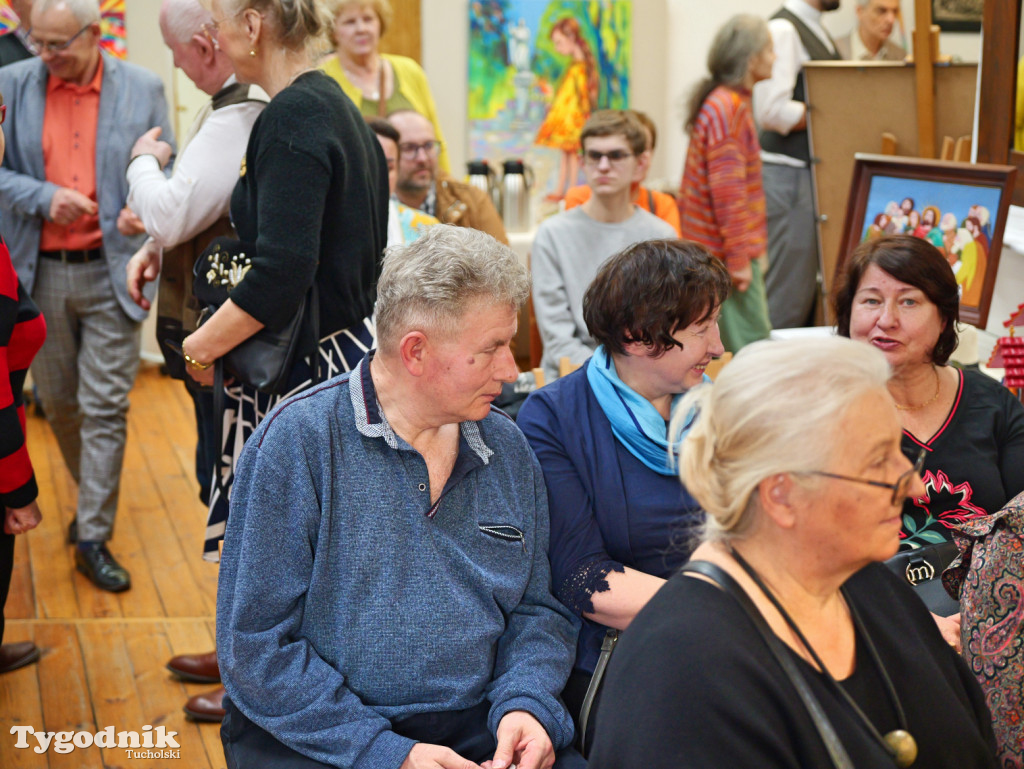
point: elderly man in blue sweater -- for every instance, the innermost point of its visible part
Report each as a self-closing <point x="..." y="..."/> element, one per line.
<point x="384" y="596"/>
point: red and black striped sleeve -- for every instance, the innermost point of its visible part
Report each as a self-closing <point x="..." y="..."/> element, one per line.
<point x="22" y="332"/>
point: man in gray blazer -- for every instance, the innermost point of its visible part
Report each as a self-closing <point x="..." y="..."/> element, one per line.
<point x="74" y="115"/>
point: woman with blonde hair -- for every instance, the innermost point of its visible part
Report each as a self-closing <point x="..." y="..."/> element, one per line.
<point x="574" y="100"/>
<point x="378" y="83"/>
<point x="784" y="643"/>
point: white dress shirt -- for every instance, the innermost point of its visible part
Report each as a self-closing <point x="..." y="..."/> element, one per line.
<point x="774" y="106"/>
<point x="198" y="193"/>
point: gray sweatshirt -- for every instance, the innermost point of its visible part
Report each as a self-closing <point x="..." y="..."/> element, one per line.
<point x="566" y="254"/>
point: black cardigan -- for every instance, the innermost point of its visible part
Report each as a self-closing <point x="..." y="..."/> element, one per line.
<point x="313" y="197"/>
<point x="692" y="684"/>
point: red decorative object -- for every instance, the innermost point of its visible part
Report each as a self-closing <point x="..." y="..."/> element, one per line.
<point x="1009" y="354"/>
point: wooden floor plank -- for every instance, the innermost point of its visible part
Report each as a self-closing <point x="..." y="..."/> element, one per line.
<point x="161" y="695"/>
<point x="104" y="655"/>
<point x="64" y="690"/>
<point x="50" y="557"/>
<point x="21" y="595"/>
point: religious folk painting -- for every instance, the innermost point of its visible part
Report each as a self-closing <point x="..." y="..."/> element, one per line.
<point x="960" y="208"/>
<point x="113" y="39"/>
<point x="537" y="70"/>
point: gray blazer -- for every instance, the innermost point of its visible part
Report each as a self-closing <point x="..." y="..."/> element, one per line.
<point x="131" y="102"/>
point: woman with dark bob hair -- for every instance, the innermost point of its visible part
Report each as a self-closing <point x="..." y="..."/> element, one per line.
<point x="898" y="294"/>
<point x="620" y="522"/>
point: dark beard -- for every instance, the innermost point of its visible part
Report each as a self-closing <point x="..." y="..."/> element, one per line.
<point x="829" y="5"/>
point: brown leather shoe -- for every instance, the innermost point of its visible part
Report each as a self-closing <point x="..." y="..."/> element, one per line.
<point x="199" y="668"/>
<point x="17" y="655"/>
<point x="206" y="707"/>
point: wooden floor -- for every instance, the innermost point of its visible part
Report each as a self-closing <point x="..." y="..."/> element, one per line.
<point x="103" y="655"/>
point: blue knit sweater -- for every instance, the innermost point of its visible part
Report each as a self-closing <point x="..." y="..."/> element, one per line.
<point x="346" y="599"/>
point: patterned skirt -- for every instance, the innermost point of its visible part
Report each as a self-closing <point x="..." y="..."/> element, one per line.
<point x="245" y="407"/>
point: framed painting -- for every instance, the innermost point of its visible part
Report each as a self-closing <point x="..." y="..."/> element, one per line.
<point x="958" y="15"/>
<point x="960" y="208"/>
<point x="537" y="70"/>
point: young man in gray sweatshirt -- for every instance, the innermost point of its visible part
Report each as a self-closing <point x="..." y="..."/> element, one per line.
<point x="570" y="246"/>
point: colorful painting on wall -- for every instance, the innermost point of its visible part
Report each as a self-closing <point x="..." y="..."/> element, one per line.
<point x="113" y="40"/>
<point x="537" y="69"/>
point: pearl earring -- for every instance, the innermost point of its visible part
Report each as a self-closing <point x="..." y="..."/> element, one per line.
<point x="252" y="51"/>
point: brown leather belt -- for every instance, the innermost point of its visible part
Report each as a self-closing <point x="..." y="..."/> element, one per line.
<point x="72" y="256"/>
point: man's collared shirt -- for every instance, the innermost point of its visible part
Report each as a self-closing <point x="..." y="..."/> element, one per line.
<point x="69" y="156"/>
<point x="774" y="107"/>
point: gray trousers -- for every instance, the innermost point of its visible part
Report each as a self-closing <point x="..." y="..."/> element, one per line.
<point x="84" y="372"/>
<point x="792" y="277"/>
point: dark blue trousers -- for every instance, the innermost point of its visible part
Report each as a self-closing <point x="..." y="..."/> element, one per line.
<point x="464" y="731"/>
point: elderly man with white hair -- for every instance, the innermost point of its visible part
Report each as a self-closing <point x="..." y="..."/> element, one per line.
<point x="384" y="593"/>
<point x="62" y="198"/>
<point x="869" y="40"/>
<point x="182" y="214"/>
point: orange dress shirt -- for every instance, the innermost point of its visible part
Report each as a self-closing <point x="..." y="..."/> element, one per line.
<point x="69" y="157"/>
<point x="658" y="203"/>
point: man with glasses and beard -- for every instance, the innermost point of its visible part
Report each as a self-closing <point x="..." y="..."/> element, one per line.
<point x="780" y="109"/>
<point x="75" y="114"/>
<point x="422" y="185"/>
<point x="570" y="246"/>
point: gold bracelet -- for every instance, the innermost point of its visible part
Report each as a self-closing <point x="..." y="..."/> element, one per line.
<point x="192" y="362"/>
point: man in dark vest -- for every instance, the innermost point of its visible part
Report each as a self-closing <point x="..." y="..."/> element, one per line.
<point x="182" y="214"/>
<point x="781" y="112"/>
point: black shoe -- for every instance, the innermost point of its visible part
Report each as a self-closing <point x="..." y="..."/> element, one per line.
<point x="96" y="563"/>
<point x="17" y="655"/>
<point x="73" y="531"/>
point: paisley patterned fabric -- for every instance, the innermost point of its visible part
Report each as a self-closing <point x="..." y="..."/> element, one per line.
<point x="989" y="577"/>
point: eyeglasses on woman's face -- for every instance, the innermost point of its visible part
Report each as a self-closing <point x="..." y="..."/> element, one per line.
<point x="899" y="487"/>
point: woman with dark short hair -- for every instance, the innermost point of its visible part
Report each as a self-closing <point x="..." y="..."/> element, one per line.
<point x="620" y="522"/>
<point x="898" y="294"/>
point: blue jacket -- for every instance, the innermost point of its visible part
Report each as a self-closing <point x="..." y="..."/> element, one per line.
<point x="607" y="508"/>
<point x="347" y="599"/>
<point x="131" y="102"/>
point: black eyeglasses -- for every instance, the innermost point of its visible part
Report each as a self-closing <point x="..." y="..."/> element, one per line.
<point x="593" y="157"/>
<point x="430" y="148"/>
<point x="39" y="47"/>
<point x="899" y="488"/>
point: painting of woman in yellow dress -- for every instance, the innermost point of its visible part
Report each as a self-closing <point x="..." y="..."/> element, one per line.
<point x="575" y="97"/>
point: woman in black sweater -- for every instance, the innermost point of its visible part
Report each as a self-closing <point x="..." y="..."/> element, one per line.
<point x="310" y="206"/>
<point x="797" y="520"/>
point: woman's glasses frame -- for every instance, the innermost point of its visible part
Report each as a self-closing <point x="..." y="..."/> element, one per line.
<point x="899" y="487"/>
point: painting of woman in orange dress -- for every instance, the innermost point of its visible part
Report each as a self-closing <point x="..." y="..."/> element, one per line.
<point x="575" y="97"/>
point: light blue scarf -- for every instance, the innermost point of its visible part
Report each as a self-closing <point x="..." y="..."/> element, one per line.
<point x="635" y="422"/>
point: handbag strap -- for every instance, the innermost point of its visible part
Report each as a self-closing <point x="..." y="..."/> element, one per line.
<point x="836" y="751"/>
<point x="607" y="647"/>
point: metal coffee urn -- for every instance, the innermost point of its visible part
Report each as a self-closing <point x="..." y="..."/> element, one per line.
<point x="483" y="177"/>
<point x="516" y="181"/>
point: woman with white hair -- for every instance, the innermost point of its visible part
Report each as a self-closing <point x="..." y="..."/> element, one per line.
<point x="784" y="643"/>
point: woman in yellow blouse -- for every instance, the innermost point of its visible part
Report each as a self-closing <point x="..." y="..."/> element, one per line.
<point x="378" y="83"/>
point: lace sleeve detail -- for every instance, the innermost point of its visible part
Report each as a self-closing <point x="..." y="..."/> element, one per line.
<point x="576" y="589"/>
